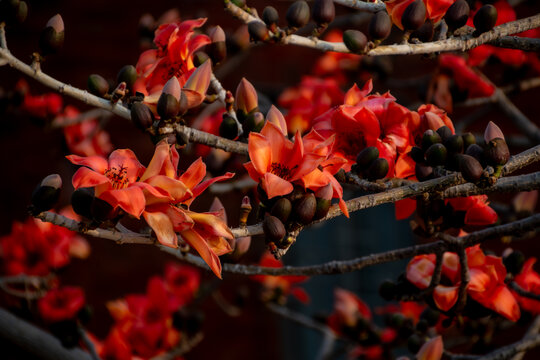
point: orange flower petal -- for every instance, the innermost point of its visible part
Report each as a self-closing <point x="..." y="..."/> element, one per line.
<point x="96" y="163"/>
<point x="273" y="185"/>
<point x="199" y="244"/>
<point x="130" y="199"/>
<point x="431" y="350"/>
<point x="194" y="174"/>
<point x="260" y="152"/>
<point x="163" y="227"/>
<point x="126" y="158"/>
<point x="175" y="188"/>
<point x="445" y="296"/>
<point x="84" y="177"/>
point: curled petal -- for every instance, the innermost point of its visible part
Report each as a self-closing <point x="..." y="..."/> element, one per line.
<point x="175" y="188"/>
<point x="210" y="224"/>
<point x="162" y="226"/>
<point x="201" y="246"/>
<point x="161" y="163"/>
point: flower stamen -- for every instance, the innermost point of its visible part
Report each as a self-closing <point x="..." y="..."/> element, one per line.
<point x="118" y="177"/>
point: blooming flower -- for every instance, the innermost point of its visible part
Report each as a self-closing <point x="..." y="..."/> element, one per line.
<point x="40" y="106"/>
<point x="276" y="162"/>
<point x="182" y="282"/>
<point x="61" y="304"/>
<point x="279" y="287"/>
<point x="311" y="98"/>
<point x="435" y="9"/>
<point x="476" y="208"/>
<point x="528" y="280"/>
<point x="486" y="285"/>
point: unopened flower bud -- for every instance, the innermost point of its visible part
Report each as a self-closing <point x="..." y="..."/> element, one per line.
<point x="273" y="228"/>
<point x="304" y="208"/>
<point x="436" y="155"/>
<point x="46" y="194"/>
<point x="513" y="262"/>
<point x="217" y="49"/>
<point x="496" y="152"/>
<point x="323" y="12"/>
<point x="378" y="169"/>
<point x="476" y="152"/>
<point x="324" y="201"/>
<point x="282" y="209"/>
<point x="366" y="157"/>
<point x="141" y="116"/>
<point x="387" y="290"/>
<point x="470" y="168"/>
<point x="380" y="26"/>
<point x="456" y="16"/>
<point x="101" y="210"/>
<point x="245" y="210"/>
<point x="275" y="117"/>
<point x="52" y="37"/>
<point x="13" y="11"/>
<point x="81" y="201"/>
<point x="257" y="31"/>
<point x="270" y="16"/>
<point x="525" y="202"/>
<point x="485" y="19"/>
<point x="127" y="74"/>
<point x="298" y="14"/>
<point x="425" y="32"/>
<point x="254" y="122"/>
<point x="431" y="316"/>
<point x="444" y="132"/>
<point x="242" y="246"/>
<point x="468" y="139"/>
<point x="429" y="138"/>
<point x="246" y="98"/>
<point x="414" y="15"/>
<point x="355" y="41"/>
<point x="492" y="132"/>
<point x="228" y="127"/>
<point x="119" y="92"/>
<point x="417" y="154"/>
<point x="97" y="85"/>
<point x="199" y="58"/>
<point x="423" y="172"/>
<point x="454" y="144"/>
<point x="168" y="104"/>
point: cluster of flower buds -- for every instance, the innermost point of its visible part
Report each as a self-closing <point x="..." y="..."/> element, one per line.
<point x="369" y="165"/>
<point x="379" y="29"/>
<point x="461" y="153"/>
<point x="99" y="86"/>
<point x="46" y="194"/>
<point x="284" y="215"/>
<point x="247" y="112"/>
<point x="13" y="11"/>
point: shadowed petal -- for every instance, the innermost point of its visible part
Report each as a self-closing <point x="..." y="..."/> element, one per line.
<point x="445" y="296"/>
<point x="130" y="199"/>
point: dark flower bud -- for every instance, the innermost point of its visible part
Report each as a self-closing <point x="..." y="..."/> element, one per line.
<point x="127" y="74"/>
<point x="514" y="262"/>
<point x="431" y="316"/>
<point x="141" y="116"/>
<point x="496" y="152"/>
<point x="323" y="12"/>
<point x="436" y="155"/>
<point x="485" y="19"/>
<point x="217" y="49"/>
<point x="296" y="194"/>
<point x="298" y="14"/>
<point x="378" y="169"/>
<point x="429" y="138"/>
<point x="470" y="168"/>
<point x="100" y="210"/>
<point x="52" y="37"/>
<point x="417" y="154"/>
<point x="387" y="290"/>
<point x="457" y="14"/>
<point x="97" y="85"/>
<point x="380" y="26"/>
<point x="13" y="11"/>
<point x="46" y="194"/>
<point x="425" y="32"/>
<point x="324" y="201"/>
<point x="21" y="12"/>
<point x="168" y="104"/>
<point x="468" y="139"/>
<point x="476" y="152"/>
<point x="414" y="343"/>
<point x="422" y="326"/>
<point x="282" y="209"/>
<point x="444" y="132"/>
<point x="254" y="122"/>
<point x="81" y="201"/>
<point x="454" y="144"/>
<point x="228" y="127"/>
<point x="304" y="208"/>
<point x="273" y="228"/>
<point x="366" y="157"/>
<point x="199" y="58"/>
<point x="423" y="172"/>
<point x="355" y="41"/>
<point x="270" y="16"/>
<point x="414" y="15"/>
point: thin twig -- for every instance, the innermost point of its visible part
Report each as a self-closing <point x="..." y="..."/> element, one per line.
<point x="516" y="42"/>
<point x="522" y="292"/>
<point x="362" y="5"/>
<point x="222" y="95"/>
<point x="464" y="280"/>
<point x="299" y="318"/>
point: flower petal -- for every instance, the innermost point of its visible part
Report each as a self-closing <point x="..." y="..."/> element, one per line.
<point x="199" y="244"/>
<point x="130" y="199"/>
<point x="273" y="185"/>
<point x="260" y="152"/>
<point x="126" y="158"/>
<point x="162" y="226"/>
<point x="445" y="296"/>
<point x="194" y="174"/>
<point x="96" y="163"/>
<point x="84" y="177"/>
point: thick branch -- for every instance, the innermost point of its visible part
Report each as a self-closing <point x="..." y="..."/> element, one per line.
<point x="516" y="42"/>
<point x="35" y="341"/>
<point x="362" y="5"/>
<point x="526" y="182"/>
<point x="463" y="43"/>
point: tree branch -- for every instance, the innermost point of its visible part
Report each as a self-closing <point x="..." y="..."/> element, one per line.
<point x="362" y="5"/>
<point x="516" y="42"/>
<point x="463" y="43"/>
<point x="193" y="135"/>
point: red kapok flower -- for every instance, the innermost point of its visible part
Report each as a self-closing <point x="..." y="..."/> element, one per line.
<point x="435" y="9"/>
<point x="465" y="77"/>
<point x="182" y="281"/>
<point x="41" y="106"/>
<point x="114" y="179"/>
<point x="61" y="304"/>
<point x="348" y="310"/>
<point x="528" y="280"/>
<point x="280" y="286"/>
<point x="476" y="208"/>
<point x="276" y="162"/>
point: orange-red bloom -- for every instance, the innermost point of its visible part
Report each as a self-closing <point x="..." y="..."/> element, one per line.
<point x="476" y="208"/>
<point x="276" y="162"/>
<point x="486" y="285"/>
<point x="528" y="280"/>
<point x="435" y="9"/>
<point x="61" y="304"/>
<point x="348" y="310"/>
